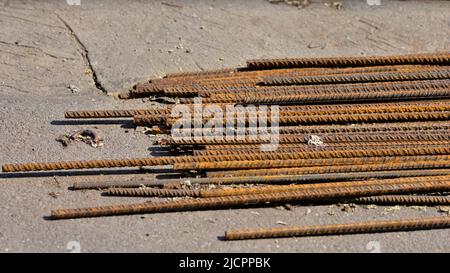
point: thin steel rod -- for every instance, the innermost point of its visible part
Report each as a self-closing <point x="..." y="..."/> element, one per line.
<point x="338" y="97"/>
<point x="417" y="200"/>
<point x="361" y="77"/>
<point x="424" y="58"/>
<point x="282" y="179"/>
<point x="208" y="91"/>
<point x="341" y="229"/>
<point x="283" y="110"/>
<point x="276" y="184"/>
<point x="336" y="138"/>
<point x="138" y="162"/>
<point x="252" y="200"/>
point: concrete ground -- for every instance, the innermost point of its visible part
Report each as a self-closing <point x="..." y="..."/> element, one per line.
<point x="100" y="47"/>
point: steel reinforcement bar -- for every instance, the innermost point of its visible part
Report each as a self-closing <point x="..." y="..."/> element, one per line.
<point x="158" y="161"/>
<point x="341" y="229"/>
<point x="426" y="58"/>
<point x="243" y="201"/>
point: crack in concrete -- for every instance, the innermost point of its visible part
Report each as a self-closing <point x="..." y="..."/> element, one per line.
<point x="84" y="54"/>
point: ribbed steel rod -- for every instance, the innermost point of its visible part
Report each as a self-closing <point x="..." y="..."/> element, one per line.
<point x="115" y="113"/>
<point x="339" y="97"/>
<point x="325" y="180"/>
<point x="293" y="147"/>
<point x="230" y="72"/>
<point x="343" y="128"/>
<point x="308" y="176"/>
<point x="341" y="229"/>
<point x="285" y="149"/>
<point x="149" y="192"/>
<point x="380" y="114"/>
<point x="301" y="170"/>
<point x="425" y="58"/>
<point x="354" y="165"/>
<point x="252" y="200"/>
<point x="346" y="106"/>
<point x="228" y="148"/>
<point x="235" y="92"/>
<point x="337" y="138"/>
<point x="418" y="200"/>
<point x="308" y="89"/>
<point x="362" y="77"/>
<point x="240" y="80"/>
<point x="300" y="118"/>
<point x="152" y="89"/>
<point x="215" y="73"/>
<point x="164" y="113"/>
<point x="315" y="167"/>
<point x="203" y="86"/>
<point x="84" y="185"/>
<point x="138" y="162"/>
<point x="293" y="187"/>
<point x="245" y="74"/>
<point x="317" y="119"/>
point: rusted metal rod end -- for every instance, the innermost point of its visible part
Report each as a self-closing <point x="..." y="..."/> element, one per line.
<point x="355" y="228"/>
<point x="144" y="192"/>
<point x="418" y="200"/>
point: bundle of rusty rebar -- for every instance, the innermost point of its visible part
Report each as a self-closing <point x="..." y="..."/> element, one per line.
<point x="349" y="129"/>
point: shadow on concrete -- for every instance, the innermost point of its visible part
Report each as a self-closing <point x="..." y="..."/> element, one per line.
<point x="125" y="123"/>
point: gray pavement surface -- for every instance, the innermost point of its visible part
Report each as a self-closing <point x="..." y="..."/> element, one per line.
<point x="101" y="47"/>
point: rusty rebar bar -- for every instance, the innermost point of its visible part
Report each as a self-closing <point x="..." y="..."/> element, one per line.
<point x="252" y="200"/>
<point x="287" y="149"/>
<point x="381" y="115"/>
<point x="418" y="200"/>
<point x="426" y="58"/>
<point x="248" y="81"/>
<point x="84" y="185"/>
<point x="307" y="176"/>
<point x="180" y="151"/>
<point x="149" y="192"/>
<point x="309" y="89"/>
<point x="139" y="162"/>
<point x="362" y="77"/>
<point x="206" y="193"/>
<point x="243" y="74"/>
<point x="115" y="113"/>
<point x="277" y="183"/>
<point x="210" y="86"/>
<point x="233" y="92"/>
<point x="336" y="138"/>
<point x="315" y="119"/>
<point x="191" y="88"/>
<point x="343" y="128"/>
<point x="338" y="97"/>
<point x="284" y="110"/>
<point x="341" y="229"/>
<point x="215" y="73"/>
<point x="309" y="168"/>
<point x="188" y="150"/>
<point x="228" y="148"/>
<point x="312" y="166"/>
